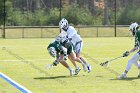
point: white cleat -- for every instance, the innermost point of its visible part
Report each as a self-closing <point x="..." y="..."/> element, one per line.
<point x="89" y="68"/>
<point x="123" y="76"/>
<point x="77" y="70"/>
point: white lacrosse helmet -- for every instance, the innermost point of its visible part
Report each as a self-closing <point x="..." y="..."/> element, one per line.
<point x="133" y="26"/>
<point x="52" y="51"/>
<point x="63" y="24"/>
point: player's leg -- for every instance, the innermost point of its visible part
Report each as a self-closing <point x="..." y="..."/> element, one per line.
<point x="134" y="60"/>
<point x="139" y="71"/>
<point x="74" y="58"/>
<point x="65" y="64"/>
<point x="73" y="62"/>
<point x="70" y="52"/>
<point x="138" y="66"/>
<point x="78" y="49"/>
<point x="77" y="69"/>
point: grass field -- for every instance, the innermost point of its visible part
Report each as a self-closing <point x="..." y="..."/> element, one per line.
<point x="24" y="61"/>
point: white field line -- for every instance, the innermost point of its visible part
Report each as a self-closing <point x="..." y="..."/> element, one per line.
<point x="11" y="60"/>
<point x="28" y="60"/>
<point x="14" y="83"/>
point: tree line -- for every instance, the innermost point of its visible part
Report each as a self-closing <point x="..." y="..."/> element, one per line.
<point x="78" y="12"/>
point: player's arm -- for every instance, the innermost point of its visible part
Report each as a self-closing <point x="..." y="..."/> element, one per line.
<point x="56" y="62"/>
<point x="63" y="52"/>
<point x="136" y="46"/>
<point x="131" y="51"/>
<point x="71" y="34"/>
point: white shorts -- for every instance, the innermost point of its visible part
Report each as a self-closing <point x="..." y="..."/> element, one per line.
<point x="134" y="60"/>
<point x="78" y="47"/>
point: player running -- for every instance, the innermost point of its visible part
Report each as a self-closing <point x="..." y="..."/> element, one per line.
<point x="75" y="40"/>
<point x="136" y="57"/>
<point x="64" y="41"/>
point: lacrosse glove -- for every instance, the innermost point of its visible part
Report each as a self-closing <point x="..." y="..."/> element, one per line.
<point x="126" y="54"/>
<point x="55" y="63"/>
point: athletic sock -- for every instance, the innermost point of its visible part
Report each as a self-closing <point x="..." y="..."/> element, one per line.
<point x="82" y="63"/>
<point x="124" y="73"/>
<point x="69" y="68"/>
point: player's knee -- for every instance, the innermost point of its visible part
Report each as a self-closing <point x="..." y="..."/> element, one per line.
<point x="75" y="59"/>
<point x="61" y="61"/>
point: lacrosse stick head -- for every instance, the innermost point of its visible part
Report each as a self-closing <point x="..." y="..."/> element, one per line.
<point x="49" y="66"/>
<point x="105" y="64"/>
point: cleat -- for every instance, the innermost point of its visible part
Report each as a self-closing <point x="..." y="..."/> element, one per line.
<point x="77" y="70"/>
<point x="89" y="68"/>
<point x="123" y="76"/>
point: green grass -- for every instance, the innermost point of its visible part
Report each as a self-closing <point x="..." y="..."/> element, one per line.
<point x="33" y="75"/>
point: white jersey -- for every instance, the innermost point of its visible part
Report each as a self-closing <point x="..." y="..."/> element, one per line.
<point x="72" y="33"/>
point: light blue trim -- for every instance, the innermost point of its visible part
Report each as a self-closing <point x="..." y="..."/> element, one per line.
<point x="16" y="85"/>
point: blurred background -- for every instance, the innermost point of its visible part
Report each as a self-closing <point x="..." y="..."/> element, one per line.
<point x="92" y="18"/>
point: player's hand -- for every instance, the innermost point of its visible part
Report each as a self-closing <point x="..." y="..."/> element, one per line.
<point x="55" y="63"/>
<point x="125" y="54"/>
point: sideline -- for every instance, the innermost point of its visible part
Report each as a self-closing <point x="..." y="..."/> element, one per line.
<point x="15" y="84"/>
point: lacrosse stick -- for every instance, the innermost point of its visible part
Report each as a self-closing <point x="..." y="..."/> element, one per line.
<point x="105" y="64"/>
<point x="49" y="66"/>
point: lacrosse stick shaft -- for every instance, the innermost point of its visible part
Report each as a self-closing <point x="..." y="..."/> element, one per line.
<point x="115" y="58"/>
<point x="107" y="62"/>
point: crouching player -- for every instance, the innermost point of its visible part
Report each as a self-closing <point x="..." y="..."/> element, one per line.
<point x="56" y="49"/>
<point x="136" y="57"/>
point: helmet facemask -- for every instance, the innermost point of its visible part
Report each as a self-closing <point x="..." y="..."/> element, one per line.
<point x="52" y="51"/>
<point x="63" y="24"/>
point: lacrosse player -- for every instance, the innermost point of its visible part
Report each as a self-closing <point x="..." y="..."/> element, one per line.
<point x="75" y="39"/>
<point x="136" y="57"/>
<point x="56" y="50"/>
<point x="65" y="43"/>
<point x="62" y="53"/>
